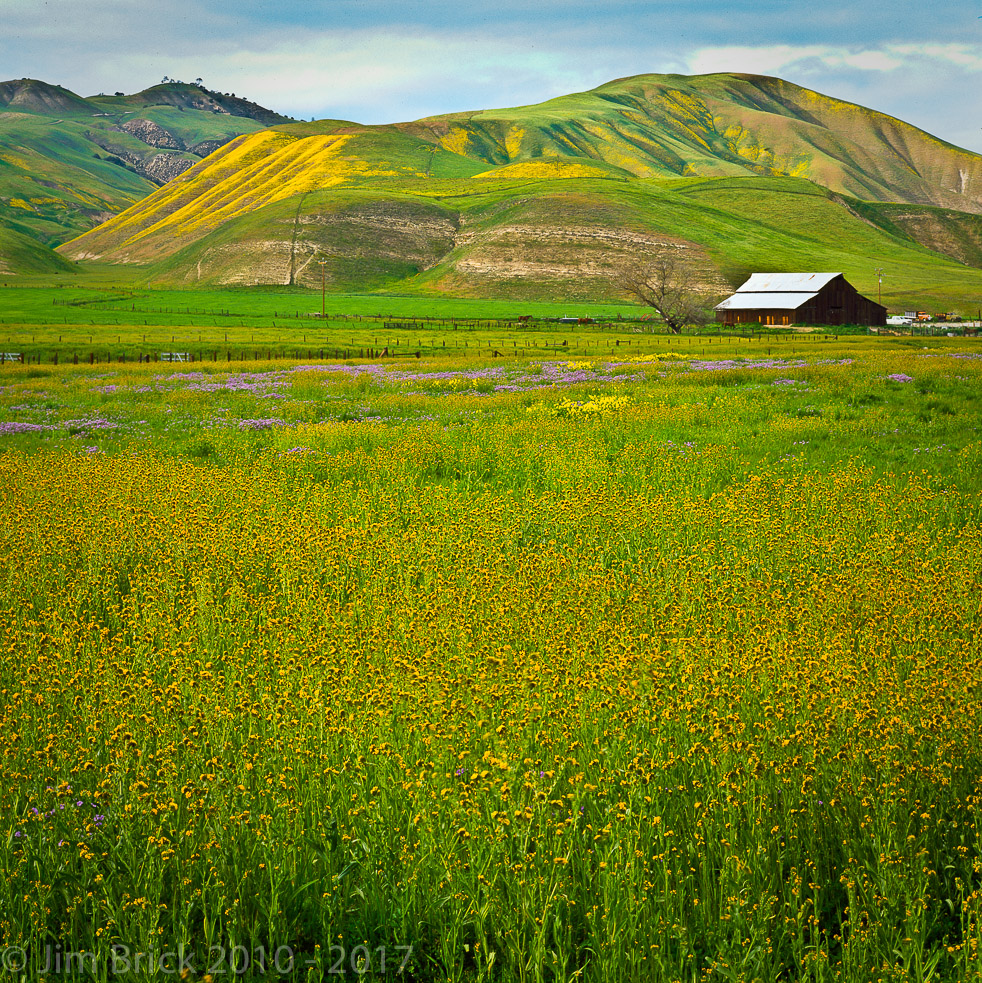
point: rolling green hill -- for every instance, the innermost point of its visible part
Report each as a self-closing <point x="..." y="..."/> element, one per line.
<point x="22" y="254"/>
<point x="68" y="163"/>
<point x="742" y="173"/>
<point x="724" y="125"/>
<point x="541" y="239"/>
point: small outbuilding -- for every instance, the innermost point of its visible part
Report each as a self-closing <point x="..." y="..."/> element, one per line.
<point x="800" y="298"/>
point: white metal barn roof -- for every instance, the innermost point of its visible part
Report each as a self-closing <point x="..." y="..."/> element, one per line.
<point x="786" y="282"/>
<point x="776" y="291"/>
<point x="772" y="301"/>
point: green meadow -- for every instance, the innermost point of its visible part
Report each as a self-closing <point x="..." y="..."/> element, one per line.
<point x="96" y="317"/>
<point x="435" y="639"/>
<point x="639" y="666"/>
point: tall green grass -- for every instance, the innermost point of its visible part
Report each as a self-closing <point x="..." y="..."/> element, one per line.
<point x="655" y="672"/>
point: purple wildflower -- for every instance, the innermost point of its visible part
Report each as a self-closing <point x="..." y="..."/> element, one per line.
<point x="15" y="426"/>
<point x="83" y="426"/>
<point x="261" y="423"/>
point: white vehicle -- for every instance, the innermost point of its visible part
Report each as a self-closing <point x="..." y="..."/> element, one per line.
<point x="898" y="320"/>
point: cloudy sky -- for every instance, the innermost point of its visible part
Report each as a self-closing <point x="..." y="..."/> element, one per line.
<point x="389" y="60"/>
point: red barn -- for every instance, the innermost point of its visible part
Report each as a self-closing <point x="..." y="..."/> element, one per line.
<point x="799" y="298"/>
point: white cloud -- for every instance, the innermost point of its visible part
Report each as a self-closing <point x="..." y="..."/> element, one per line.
<point x="867" y="61"/>
<point x="378" y="77"/>
<point x="764" y="60"/>
<point x="962" y="55"/>
<point x="773" y="59"/>
<point x="397" y="70"/>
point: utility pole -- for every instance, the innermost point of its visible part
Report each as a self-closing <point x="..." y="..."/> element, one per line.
<point x="321" y="263"/>
<point x="879" y="284"/>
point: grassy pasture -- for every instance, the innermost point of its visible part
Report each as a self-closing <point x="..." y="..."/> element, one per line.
<point x="106" y="317"/>
<point x="112" y="321"/>
<point x="612" y="668"/>
<point x="113" y="301"/>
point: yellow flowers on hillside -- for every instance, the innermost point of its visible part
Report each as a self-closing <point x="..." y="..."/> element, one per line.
<point x="552" y="169"/>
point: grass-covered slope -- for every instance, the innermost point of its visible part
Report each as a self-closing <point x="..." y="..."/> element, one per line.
<point x="261" y="169"/>
<point x="953" y="233"/>
<point x="506" y="236"/>
<point x="366" y="241"/>
<point x="722" y="125"/>
<point x="68" y="163"/>
<point x="550" y="200"/>
<point x="57" y="183"/>
<point x="22" y="254"/>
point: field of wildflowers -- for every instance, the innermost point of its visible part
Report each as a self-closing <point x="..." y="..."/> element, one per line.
<point x="649" y="668"/>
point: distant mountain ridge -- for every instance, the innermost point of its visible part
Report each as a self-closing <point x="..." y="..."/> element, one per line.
<point x="184" y="95"/>
<point x="35" y="96"/>
<point x="68" y="162"/>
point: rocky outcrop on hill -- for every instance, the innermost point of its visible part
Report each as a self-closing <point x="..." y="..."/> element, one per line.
<point x="161" y="168"/>
<point x="152" y="134"/>
<point x="206" y="147"/>
<point x="157" y="168"/>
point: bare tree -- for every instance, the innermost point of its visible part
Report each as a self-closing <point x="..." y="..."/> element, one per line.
<point x="669" y="283"/>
